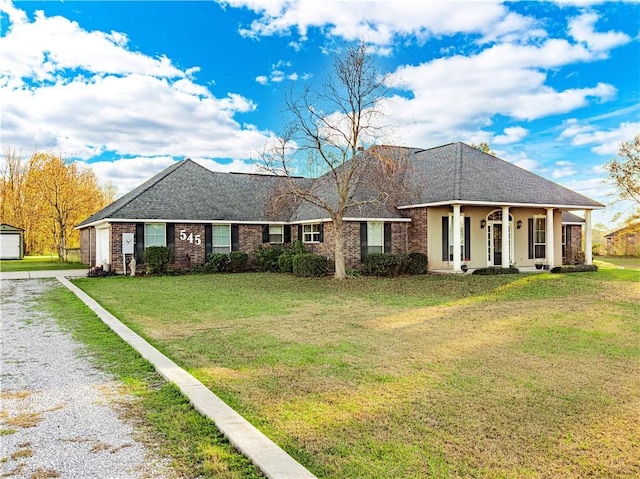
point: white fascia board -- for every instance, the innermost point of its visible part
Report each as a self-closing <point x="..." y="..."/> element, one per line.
<point x="574" y="223"/>
<point x="350" y="218"/>
<point x="156" y="220"/>
<point x="495" y="203"/>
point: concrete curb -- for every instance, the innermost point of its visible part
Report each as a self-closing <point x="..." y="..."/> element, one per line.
<point x="54" y="273"/>
<point x="258" y="448"/>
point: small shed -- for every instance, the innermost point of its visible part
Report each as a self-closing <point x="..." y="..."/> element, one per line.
<point x="11" y="242"/>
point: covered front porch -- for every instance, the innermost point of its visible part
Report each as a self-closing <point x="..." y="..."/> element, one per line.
<point x="482" y="237"/>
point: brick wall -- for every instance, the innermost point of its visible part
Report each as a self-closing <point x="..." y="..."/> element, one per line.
<point x="87" y="246"/>
<point x="116" y="247"/>
<point x="250" y="237"/>
<point x="417" y="230"/>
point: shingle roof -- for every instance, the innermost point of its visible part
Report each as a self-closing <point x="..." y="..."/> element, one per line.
<point x="446" y="174"/>
<point x="458" y="172"/>
<point x="188" y="191"/>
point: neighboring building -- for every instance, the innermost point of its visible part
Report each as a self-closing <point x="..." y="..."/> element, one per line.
<point x="624" y="242"/>
<point x="458" y="199"/>
<point x="11" y="242"/>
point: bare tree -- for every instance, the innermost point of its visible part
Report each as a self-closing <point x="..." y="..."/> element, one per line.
<point x="330" y="128"/>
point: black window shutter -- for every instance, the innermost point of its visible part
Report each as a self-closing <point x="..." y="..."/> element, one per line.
<point x="321" y="232"/>
<point x="387" y="237"/>
<point x="140" y="243"/>
<point x="208" y="241"/>
<point x="530" y="238"/>
<point x="299" y="232"/>
<point x="235" y="238"/>
<point x="567" y="236"/>
<point x="467" y="237"/>
<point x="287" y="233"/>
<point x="170" y="230"/>
<point x="445" y="238"/>
<point x="265" y="233"/>
<point x="363" y="241"/>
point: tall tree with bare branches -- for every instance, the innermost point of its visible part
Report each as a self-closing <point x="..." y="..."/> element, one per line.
<point x="330" y="128"/>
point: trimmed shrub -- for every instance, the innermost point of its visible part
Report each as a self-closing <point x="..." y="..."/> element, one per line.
<point x="238" y="261"/>
<point x="217" y="263"/>
<point x="384" y="264"/>
<point x="496" y="270"/>
<point x="157" y="258"/>
<point x="309" y="265"/>
<point x="416" y="263"/>
<point x="579" y="268"/>
<point x="267" y="257"/>
<point x="285" y="262"/>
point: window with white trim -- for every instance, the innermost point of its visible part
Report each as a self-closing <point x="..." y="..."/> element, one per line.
<point x="375" y="237"/>
<point x="311" y="233"/>
<point x="564" y="240"/>
<point x="221" y="239"/>
<point x="276" y="234"/>
<point x="155" y="234"/>
<point x="539" y="237"/>
<point x="462" y="258"/>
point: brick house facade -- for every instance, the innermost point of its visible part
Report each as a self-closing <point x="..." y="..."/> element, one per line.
<point x="465" y="207"/>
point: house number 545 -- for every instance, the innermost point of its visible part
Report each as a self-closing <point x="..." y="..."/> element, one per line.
<point x="191" y="238"/>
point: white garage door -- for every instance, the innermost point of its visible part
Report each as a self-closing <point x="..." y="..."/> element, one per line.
<point x="9" y="246"/>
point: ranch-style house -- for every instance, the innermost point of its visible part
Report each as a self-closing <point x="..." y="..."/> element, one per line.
<point x="464" y="207"/>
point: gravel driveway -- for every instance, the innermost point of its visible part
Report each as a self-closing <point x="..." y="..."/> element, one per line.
<point x="57" y="412"/>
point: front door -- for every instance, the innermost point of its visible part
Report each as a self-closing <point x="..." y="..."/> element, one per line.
<point x="494" y="244"/>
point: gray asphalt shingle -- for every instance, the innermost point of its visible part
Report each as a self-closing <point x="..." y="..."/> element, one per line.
<point x="448" y="173"/>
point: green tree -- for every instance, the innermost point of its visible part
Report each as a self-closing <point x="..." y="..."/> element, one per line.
<point x="624" y="172"/>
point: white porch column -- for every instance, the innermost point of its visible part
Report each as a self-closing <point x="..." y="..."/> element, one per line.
<point x="506" y="241"/>
<point x="549" y="239"/>
<point x="456" y="239"/>
<point x="588" y="242"/>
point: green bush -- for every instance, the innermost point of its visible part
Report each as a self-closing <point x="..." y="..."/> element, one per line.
<point x="285" y="262"/>
<point x="579" y="268"/>
<point x="496" y="270"/>
<point x="384" y="264"/>
<point x="267" y="257"/>
<point x="238" y="261"/>
<point x="309" y="265"/>
<point x="157" y="258"/>
<point x="416" y="263"/>
<point x="217" y="262"/>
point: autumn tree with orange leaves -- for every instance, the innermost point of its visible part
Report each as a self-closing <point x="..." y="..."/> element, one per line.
<point x="47" y="197"/>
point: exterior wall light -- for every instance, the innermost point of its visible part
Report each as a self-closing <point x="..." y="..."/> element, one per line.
<point x="483" y="223"/>
<point x="519" y="224"/>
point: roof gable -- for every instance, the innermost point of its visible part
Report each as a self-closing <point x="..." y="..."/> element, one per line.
<point x="458" y="172"/>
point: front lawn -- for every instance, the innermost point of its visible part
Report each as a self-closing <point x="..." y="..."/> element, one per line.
<point x="38" y="263"/>
<point x="433" y="376"/>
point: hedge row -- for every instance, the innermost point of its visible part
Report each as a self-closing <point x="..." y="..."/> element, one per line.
<point x="578" y="268"/>
<point x="496" y="270"/>
<point x="385" y="264"/>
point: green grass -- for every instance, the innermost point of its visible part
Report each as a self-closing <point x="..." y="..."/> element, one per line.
<point x="618" y="262"/>
<point x="433" y="376"/>
<point x="38" y="263"/>
<point x="169" y="423"/>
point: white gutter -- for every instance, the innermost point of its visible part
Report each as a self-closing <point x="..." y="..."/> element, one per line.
<point x="496" y="203"/>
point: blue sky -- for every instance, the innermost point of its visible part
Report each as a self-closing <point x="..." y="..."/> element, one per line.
<point x="130" y="87"/>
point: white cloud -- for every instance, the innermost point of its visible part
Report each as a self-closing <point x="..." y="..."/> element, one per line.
<point x="381" y="22"/>
<point x="581" y="28"/>
<point x="604" y="142"/>
<point x="563" y="169"/>
<point x="460" y="95"/>
<point x="511" y="135"/>
<point x="115" y="101"/>
<point x="278" y="74"/>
